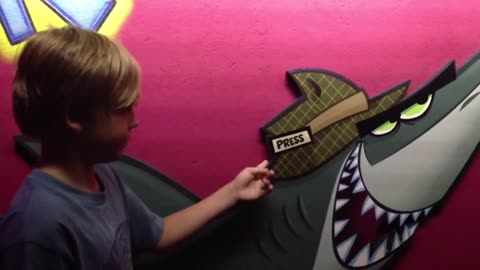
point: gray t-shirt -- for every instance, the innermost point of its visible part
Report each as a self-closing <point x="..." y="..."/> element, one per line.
<point x="51" y="225"/>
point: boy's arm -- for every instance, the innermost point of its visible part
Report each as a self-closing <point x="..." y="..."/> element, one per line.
<point x="250" y="184"/>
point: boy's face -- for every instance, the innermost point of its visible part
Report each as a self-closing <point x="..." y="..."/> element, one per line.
<point x="107" y="134"/>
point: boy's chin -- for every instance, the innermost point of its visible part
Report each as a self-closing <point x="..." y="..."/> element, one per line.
<point x="115" y="157"/>
<point x="107" y="158"/>
<point x="104" y="153"/>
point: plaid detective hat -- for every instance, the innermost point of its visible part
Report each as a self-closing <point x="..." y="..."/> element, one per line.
<point x="321" y="122"/>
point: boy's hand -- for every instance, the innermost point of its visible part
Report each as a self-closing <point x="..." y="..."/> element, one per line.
<point x="253" y="182"/>
<point x="250" y="184"/>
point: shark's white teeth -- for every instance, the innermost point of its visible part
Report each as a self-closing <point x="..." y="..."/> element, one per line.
<point x="339" y="225"/>
<point x="396" y="242"/>
<point x="354" y="163"/>
<point x="378" y="212"/>
<point x="348" y="162"/>
<point x="391" y="217"/>
<point x="413" y="229"/>
<point x="345" y="175"/>
<point x="342" y="187"/>
<point x="380" y="252"/>
<point x="416" y="215"/>
<point x="344" y="248"/>
<point x="359" y="187"/>
<point x="406" y="234"/>
<point x="369" y="254"/>
<point x="356" y="175"/>
<point x="362" y="257"/>
<point x="355" y="151"/>
<point x="367" y="205"/>
<point x="403" y="217"/>
<point x="340" y="203"/>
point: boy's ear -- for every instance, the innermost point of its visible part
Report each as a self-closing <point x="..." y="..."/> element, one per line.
<point x="73" y="123"/>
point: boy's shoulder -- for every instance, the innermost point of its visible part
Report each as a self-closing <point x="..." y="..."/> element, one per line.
<point x="32" y="216"/>
<point x="43" y="207"/>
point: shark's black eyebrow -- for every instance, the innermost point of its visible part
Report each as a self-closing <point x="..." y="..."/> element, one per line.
<point x="468" y="63"/>
<point x="444" y="76"/>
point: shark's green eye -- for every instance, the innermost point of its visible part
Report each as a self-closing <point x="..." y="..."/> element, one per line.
<point x="417" y="109"/>
<point x="385" y="128"/>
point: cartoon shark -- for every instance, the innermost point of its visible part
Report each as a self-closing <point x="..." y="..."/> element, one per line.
<point x="383" y="186"/>
<point x="356" y="211"/>
<point x="393" y="176"/>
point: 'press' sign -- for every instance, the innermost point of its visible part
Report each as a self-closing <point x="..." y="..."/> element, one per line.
<point x="291" y="140"/>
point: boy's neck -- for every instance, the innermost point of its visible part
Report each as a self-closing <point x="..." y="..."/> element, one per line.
<point x="73" y="175"/>
<point x="69" y="169"/>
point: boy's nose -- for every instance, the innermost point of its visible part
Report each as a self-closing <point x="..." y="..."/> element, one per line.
<point x="134" y="125"/>
<point x="133" y="120"/>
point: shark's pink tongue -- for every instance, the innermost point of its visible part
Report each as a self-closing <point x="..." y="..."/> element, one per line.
<point x="363" y="231"/>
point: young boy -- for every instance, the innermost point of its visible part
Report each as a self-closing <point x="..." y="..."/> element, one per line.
<point x="75" y="89"/>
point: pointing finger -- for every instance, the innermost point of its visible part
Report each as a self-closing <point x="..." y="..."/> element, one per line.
<point x="263" y="164"/>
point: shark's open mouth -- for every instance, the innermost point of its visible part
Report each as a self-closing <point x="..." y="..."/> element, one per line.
<point x="364" y="231"/>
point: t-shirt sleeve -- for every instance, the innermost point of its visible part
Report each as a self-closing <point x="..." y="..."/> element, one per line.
<point x="29" y="256"/>
<point x="146" y="226"/>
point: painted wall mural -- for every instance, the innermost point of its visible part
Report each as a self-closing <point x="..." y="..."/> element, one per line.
<point x="393" y="165"/>
<point x="21" y="18"/>
<point x="364" y="179"/>
<point x="385" y="184"/>
<point x="372" y="171"/>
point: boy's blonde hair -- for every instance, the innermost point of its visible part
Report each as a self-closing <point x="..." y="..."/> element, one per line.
<point x="71" y="71"/>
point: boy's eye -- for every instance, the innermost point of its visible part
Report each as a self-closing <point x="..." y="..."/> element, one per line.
<point x="125" y="109"/>
<point x="122" y="111"/>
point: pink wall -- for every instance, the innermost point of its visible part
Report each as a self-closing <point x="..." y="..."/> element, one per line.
<point x="214" y="72"/>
